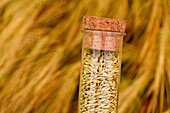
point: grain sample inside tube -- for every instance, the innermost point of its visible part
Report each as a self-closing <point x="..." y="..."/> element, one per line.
<point x="100" y="79"/>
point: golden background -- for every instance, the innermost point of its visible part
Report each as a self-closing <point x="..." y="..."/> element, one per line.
<point x="40" y="52"/>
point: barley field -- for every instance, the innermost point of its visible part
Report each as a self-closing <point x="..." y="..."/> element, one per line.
<point x="40" y="54"/>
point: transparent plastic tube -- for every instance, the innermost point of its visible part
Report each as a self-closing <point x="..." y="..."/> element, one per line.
<point x="100" y="72"/>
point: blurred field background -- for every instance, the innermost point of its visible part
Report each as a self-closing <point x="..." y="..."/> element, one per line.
<point x="40" y="52"/>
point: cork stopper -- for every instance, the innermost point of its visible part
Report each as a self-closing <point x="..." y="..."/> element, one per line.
<point x="103" y="33"/>
<point x="104" y="24"/>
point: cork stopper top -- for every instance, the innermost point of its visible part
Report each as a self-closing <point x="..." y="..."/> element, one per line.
<point x="104" y="24"/>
